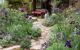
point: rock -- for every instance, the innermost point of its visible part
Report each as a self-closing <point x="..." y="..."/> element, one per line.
<point x="46" y="16"/>
<point x="34" y="18"/>
<point x="1" y="47"/>
<point x="37" y="47"/>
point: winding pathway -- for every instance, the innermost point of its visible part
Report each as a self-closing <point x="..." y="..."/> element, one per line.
<point x="42" y="42"/>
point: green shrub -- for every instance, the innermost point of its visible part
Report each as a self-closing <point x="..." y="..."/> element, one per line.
<point x="49" y="21"/>
<point x="53" y="19"/>
<point x="36" y="33"/>
<point x="25" y="44"/>
<point x="69" y="26"/>
<point x="19" y="28"/>
<point x="58" y="46"/>
<point x="6" y="43"/>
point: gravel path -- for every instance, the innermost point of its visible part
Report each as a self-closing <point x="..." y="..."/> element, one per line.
<point x="42" y="42"/>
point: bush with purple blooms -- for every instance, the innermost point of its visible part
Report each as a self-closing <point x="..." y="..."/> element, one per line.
<point x="70" y="29"/>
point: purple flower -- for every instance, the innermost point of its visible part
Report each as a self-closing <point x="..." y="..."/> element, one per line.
<point x="30" y="17"/>
<point x="78" y="33"/>
<point x="68" y="44"/>
<point x="22" y="9"/>
<point x="4" y="12"/>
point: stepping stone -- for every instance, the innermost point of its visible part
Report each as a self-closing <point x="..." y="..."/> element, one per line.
<point x="1" y="47"/>
<point x="34" y="18"/>
<point x="36" y="47"/>
<point x="17" y="47"/>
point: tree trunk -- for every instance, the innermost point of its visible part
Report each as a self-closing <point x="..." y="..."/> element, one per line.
<point x="34" y="4"/>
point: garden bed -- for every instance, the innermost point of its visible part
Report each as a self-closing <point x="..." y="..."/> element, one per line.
<point x="17" y="30"/>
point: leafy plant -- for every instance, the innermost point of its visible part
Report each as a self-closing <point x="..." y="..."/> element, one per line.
<point x="6" y="43"/>
<point x="25" y="44"/>
<point x="53" y="19"/>
<point x="36" y="33"/>
<point x="18" y="27"/>
<point x="68" y="27"/>
<point x="57" y="46"/>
